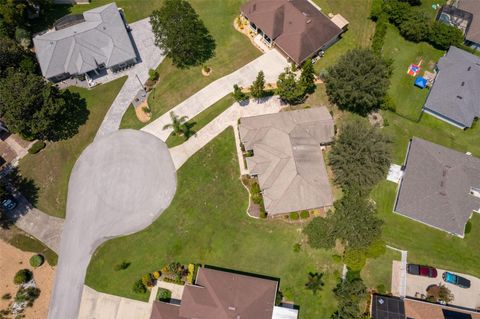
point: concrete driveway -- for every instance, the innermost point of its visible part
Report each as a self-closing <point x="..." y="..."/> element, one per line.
<point x="120" y="184"/>
<point x="468" y="298"/>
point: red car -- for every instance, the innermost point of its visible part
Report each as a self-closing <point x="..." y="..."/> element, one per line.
<point x="419" y="270"/>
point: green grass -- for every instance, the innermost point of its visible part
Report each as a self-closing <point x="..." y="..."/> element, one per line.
<point x="427" y="245"/>
<point x="360" y="29"/>
<point x="50" y="169"/>
<point x="408" y="98"/>
<point x="202" y="119"/>
<point x="233" y="51"/>
<point x="201" y="226"/>
<point x="27" y="243"/>
<point x="378" y="271"/>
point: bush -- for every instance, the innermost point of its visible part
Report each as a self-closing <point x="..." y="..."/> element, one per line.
<point x="256" y="194"/>
<point x="443" y="36"/>
<point x="192" y="271"/>
<point x="320" y="233"/>
<point x="380" y="33"/>
<point x="37" y="147"/>
<point x="7" y="296"/>
<point x="294" y="216"/>
<point x="139" y="287"/>
<point x="22" y="276"/>
<point x="416" y="26"/>
<point x="376" y="249"/>
<point x="376" y="10"/>
<point x="468" y="227"/>
<point x="153" y="75"/>
<point x="381" y="289"/>
<point x="37" y="260"/>
<point x="147" y="280"/>
<point x="164" y="294"/>
<point x="28" y="295"/>
<point x="278" y="298"/>
<point x="174" y="281"/>
<point x="355" y="259"/>
<point x="304" y="214"/>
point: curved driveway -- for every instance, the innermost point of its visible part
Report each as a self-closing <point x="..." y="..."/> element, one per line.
<point x="120" y="184"/>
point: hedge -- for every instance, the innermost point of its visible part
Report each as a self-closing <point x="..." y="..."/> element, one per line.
<point x="37" y="260"/>
<point x="37" y="147"/>
<point x="380" y="33"/>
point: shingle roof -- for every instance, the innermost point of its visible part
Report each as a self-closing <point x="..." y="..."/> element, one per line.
<point x="288" y="158"/>
<point x="163" y="310"/>
<point x="435" y="188"/>
<point x="101" y="38"/>
<point x="424" y="310"/>
<point x="455" y="94"/>
<point x="472" y="6"/>
<point x="225" y="295"/>
<point x="296" y="26"/>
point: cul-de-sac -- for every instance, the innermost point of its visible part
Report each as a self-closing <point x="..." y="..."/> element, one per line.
<point x="239" y="159"/>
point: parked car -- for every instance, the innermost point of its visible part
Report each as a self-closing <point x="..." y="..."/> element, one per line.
<point x="9" y="203"/>
<point x="420" y="270"/>
<point x="456" y="280"/>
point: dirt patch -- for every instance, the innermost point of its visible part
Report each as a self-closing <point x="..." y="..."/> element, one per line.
<point x="12" y="260"/>
<point x="206" y="71"/>
<point x="143" y="116"/>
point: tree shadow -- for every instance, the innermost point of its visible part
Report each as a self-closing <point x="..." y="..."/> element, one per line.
<point x="74" y="115"/>
<point x="49" y="14"/>
<point x="189" y="132"/>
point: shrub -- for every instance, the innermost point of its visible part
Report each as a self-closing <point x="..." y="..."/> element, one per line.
<point x="468" y="227"/>
<point x="37" y="147"/>
<point x="278" y="298"/>
<point x="7" y="296"/>
<point x="443" y="36"/>
<point x="192" y="271"/>
<point x="146" y="279"/>
<point x="122" y="266"/>
<point x="256" y="194"/>
<point x="416" y="26"/>
<point x="355" y="259"/>
<point x="380" y="33"/>
<point x="174" y="281"/>
<point x="376" y="249"/>
<point x="37" y="260"/>
<point x="22" y="276"/>
<point x="376" y="10"/>
<point x="238" y="95"/>
<point x="153" y="75"/>
<point x="28" y="295"/>
<point x="337" y="259"/>
<point x="304" y="214"/>
<point x="297" y="247"/>
<point x="294" y="216"/>
<point x="381" y="289"/>
<point x="164" y="294"/>
<point x="139" y="287"/>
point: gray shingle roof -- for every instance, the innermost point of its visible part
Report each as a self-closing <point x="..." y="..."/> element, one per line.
<point x="455" y="94"/>
<point x="288" y="158"/>
<point x="435" y="188"/>
<point x="80" y="48"/>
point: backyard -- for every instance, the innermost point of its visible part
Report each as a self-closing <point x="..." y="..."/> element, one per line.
<point x="50" y="169"/>
<point x="211" y="230"/>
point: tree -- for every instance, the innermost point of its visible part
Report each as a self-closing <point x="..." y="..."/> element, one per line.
<point x="320" y="232"/>
<point x="416" y="27"/>
<point x="181" y="34"/>
<point x="10" y="54"/>
<point x="350" y="293"/>
<point x="359" y="81"/>
<point x="360" y="156"/>
<point x="238" y="95"/>
<point x="443" y="36"/>
<point x="22" y="37"/>
<point x="258" y="86"/>
<point x="179" y="125"/>
<point x="307" y="77"/>
<point x="22" y="276"/>
<point x="35" y="109"/>
<point x="315" y="282"/>
<point x="289" y="89"/>
<point x="355" y="220"/>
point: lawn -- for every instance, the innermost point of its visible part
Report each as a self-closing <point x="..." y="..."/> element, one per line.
<point x="233" y="51"/>
<point x="360" y="29"/>
<point x="202" y="119"/>
<point x="201" y="226"/>
<point x="427" y="245"/>
<point x="408" y="98"/>
<point x="50" y="169"/>
<point x="378" y="272"/>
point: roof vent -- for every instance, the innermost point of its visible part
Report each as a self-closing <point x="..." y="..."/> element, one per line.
<point x="459" y="97"/>
<point x="305" y="14"/>
<point x="475" y="191"/>
<point x="463" y="83"/>
<point x="308" y="21"/>
<point x="469" y="68"/>
<point x="104" y="28"/>
<point x="232" y="308"/>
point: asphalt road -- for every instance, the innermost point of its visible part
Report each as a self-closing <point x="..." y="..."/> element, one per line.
<point x="120" y="184"/>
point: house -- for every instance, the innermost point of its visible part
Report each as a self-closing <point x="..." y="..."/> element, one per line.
<point x="287" y="158"/>
<point x="90" y="43"/>
<point x="440" y="187"/>
<point x="389" y="307"/>
<point x="222" y="294"/>
<point x="296" y="27"/>
<point x="465" y="15"/>
<point x="454" y="96"/>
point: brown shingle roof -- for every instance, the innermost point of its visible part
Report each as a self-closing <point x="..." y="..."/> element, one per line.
<point x="163" y="310"/>
<point x="472" y="6"/>
<point x="224" y="295"/>
<point x="423" y="310"/>
<point x="296" y="26"/>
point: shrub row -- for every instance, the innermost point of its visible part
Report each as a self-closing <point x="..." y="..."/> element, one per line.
<point x="414" y="25"/>
<point x="380" y="33"/>
<point x="37" y="147"/>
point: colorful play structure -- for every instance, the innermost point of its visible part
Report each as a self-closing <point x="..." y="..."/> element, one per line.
<point x="414" y="70"/>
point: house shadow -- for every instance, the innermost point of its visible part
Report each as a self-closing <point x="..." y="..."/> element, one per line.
<point x="238" y="272"/>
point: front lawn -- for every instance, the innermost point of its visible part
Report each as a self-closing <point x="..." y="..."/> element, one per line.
<point x="50" y="169"/>
<point x="207" y="223"/>
<point x="233" y="51"/>
<point x="377" y="273"/>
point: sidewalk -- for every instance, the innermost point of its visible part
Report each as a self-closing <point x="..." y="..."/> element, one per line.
<point x="271" y="63"/>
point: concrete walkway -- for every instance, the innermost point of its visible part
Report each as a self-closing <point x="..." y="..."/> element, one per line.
<point x="119" y="185"/>
<point x="271" y="63"/>
<point x="399" y="274"/>
<point x="183" y="152"/>
<point x="151" y="56"/>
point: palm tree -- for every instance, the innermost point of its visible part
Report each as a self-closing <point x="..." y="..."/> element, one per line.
<point x="178" y="125"/>
<point x="315" y="282"/>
